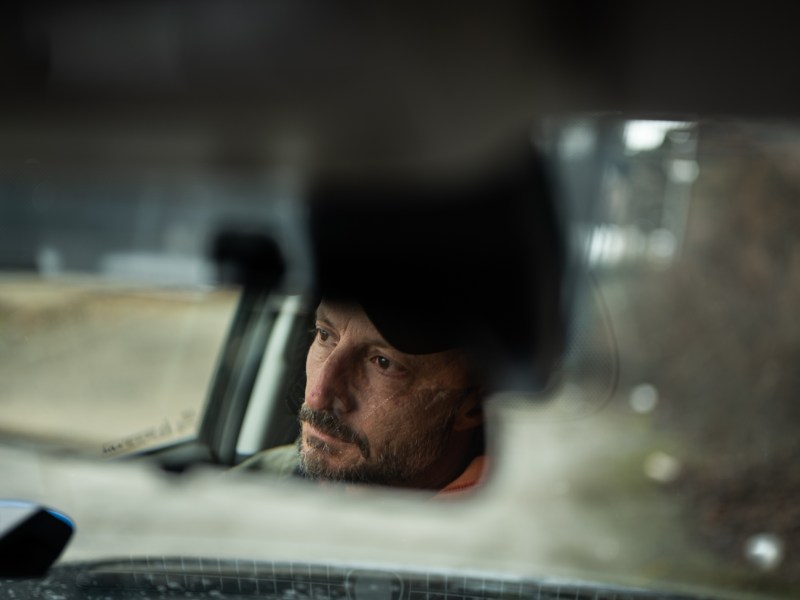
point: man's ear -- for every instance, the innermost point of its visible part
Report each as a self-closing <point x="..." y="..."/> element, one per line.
<point x="470" y="414"/>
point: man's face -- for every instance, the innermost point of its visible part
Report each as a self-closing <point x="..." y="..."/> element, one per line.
<point x="373" y="414"/>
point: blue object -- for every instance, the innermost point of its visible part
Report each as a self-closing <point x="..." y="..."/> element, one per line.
<point x="32" y="538"/>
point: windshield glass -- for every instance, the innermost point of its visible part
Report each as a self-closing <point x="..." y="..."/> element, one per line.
<point x="103" y="367"/>
<point x="111" y="312"/>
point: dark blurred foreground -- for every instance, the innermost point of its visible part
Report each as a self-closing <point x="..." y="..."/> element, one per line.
<point x="365" y="86"/>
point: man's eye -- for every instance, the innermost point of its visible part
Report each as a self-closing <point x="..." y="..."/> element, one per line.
<point x="387" y="365"/>
<point x="322" y="334"/>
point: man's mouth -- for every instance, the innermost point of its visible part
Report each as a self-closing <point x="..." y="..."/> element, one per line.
<point x="327" y="428"/>
<point x="324" y="436"/>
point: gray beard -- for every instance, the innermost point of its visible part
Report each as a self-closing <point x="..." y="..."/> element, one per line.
<point x="398" y="463"/>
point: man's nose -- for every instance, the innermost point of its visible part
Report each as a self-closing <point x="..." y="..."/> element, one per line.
<point x="329" y="383"/>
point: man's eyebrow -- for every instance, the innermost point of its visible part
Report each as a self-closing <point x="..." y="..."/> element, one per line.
<point x="324" y="319"/>
<point x="319" y="315"/>
<point x="379" y="342"/>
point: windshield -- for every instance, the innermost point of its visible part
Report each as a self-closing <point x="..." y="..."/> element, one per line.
<point x="106" y="368"/>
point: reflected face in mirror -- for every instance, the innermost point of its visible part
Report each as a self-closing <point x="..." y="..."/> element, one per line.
<point x="373" y="414"/>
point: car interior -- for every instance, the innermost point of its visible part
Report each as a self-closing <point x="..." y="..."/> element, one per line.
<point x="601" y="197"/>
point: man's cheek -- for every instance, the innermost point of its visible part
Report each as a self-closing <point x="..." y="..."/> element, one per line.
<point x="392" y="426"/>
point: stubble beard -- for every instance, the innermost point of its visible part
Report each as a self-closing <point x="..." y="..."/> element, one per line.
<point x="398" y="463"/>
